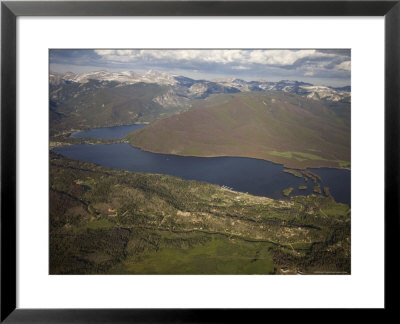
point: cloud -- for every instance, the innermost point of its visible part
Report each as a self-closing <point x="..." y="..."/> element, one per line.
<point x="286" y="57"/>
<point x="240" y="57"/>
<point x="240" y="67"/>
<point x="327" y="64"/>
<point x="345" y="65"/>
<point x="215" y="56"/>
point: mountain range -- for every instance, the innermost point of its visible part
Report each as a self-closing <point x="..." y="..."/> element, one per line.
<point x="183" y="87"/>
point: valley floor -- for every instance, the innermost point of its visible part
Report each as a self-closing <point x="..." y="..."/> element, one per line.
<point x="112" y="221"/>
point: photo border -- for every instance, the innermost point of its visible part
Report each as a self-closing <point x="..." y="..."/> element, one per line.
<point x="10" y="10"/>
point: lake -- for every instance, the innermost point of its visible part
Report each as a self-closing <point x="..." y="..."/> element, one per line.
<point x="257" y="177"/>
<point x="109" y="133"/>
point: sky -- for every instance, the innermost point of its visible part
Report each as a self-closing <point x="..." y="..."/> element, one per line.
<point x="331" y="67"/>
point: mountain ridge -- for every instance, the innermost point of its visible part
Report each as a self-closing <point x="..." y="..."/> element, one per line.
<point x="274" y="126"/>
<point x="191" y="88"/>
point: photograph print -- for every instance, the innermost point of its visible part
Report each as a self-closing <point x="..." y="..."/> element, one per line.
<point x="200" y="161"/>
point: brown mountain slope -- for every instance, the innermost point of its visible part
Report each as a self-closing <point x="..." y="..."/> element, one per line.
<point x="277" y="127"/>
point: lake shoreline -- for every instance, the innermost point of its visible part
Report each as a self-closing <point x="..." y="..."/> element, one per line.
<point x="96" y="140"/>
<point x="237" y="156"/>
<point x="248" y="175"/>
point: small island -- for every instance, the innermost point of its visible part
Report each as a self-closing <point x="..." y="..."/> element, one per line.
<point x="288" y="191"/>
<point x="317" y="189"/>
<point x="294" y="172"/>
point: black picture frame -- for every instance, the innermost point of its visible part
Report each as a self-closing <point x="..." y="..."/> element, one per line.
<point x="10" y="10"/>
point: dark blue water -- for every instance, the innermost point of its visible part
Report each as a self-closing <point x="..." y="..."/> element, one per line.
<point x="257" y="177"/>
<point x="109" y="133"/>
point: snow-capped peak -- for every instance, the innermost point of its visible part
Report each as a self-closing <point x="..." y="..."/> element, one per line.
<point x="201" y="88"/>
<point x="127" y="77"/>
